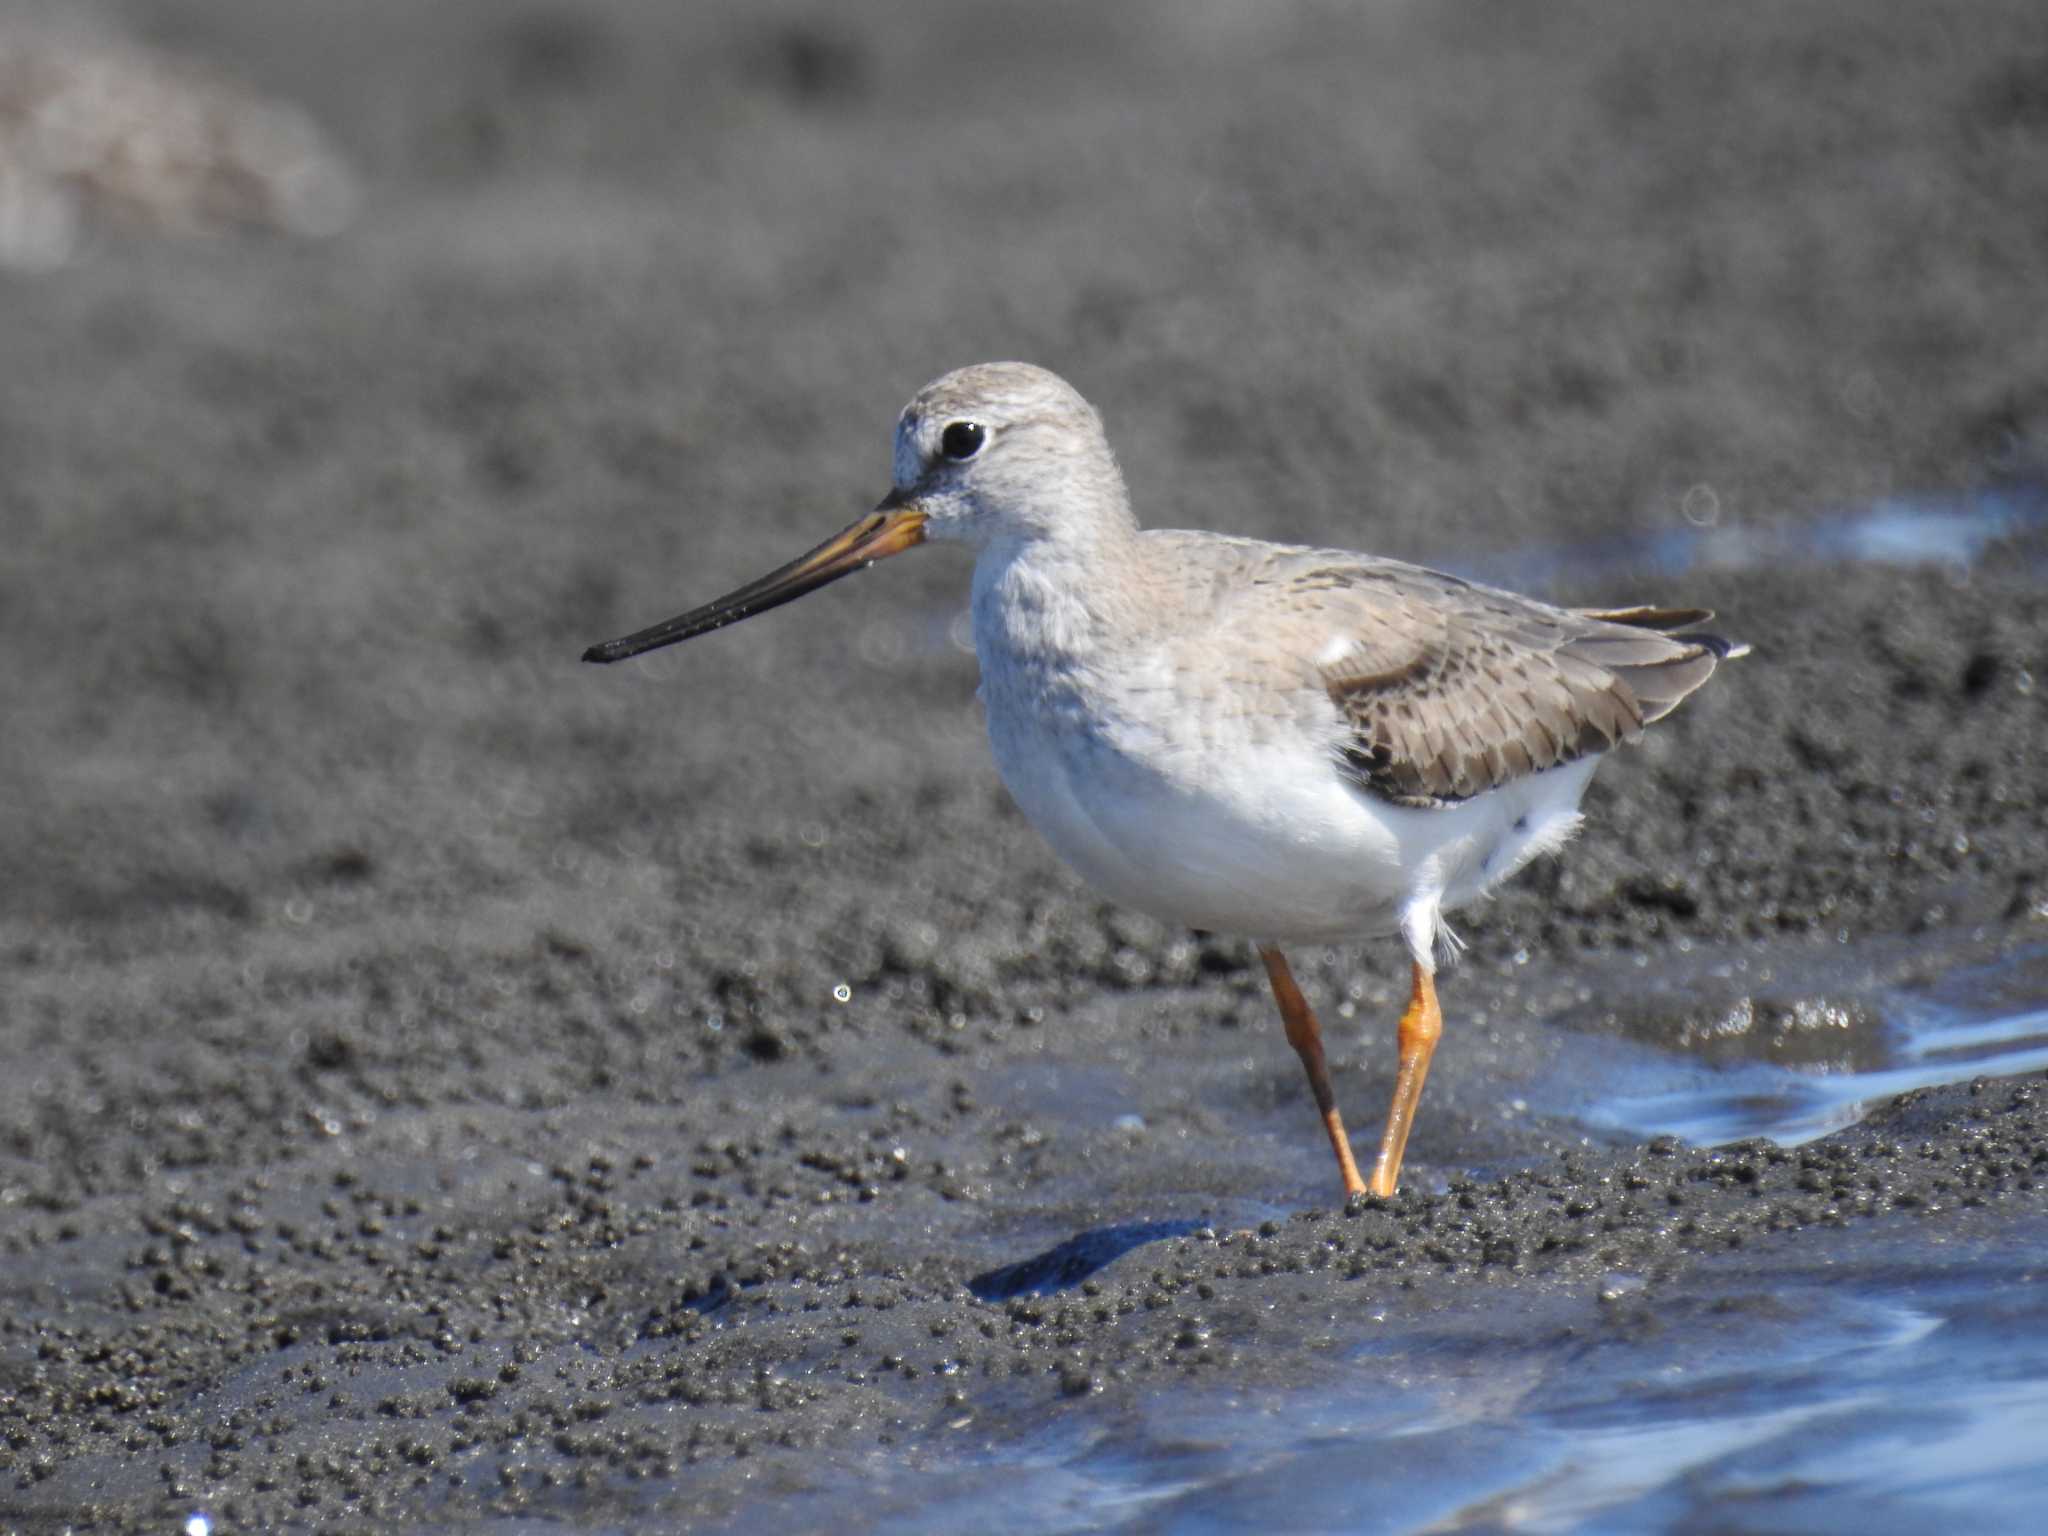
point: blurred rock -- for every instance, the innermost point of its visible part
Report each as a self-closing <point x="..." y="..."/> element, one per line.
<point x="96" y="130"/>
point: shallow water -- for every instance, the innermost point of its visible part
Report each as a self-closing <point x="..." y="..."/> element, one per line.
<point x="1953" y="531"/>
<point x="1876" y="1042"/>
<point x="1898" y="1386"/>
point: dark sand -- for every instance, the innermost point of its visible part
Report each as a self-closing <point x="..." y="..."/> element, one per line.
<point x="425" y="1096"/>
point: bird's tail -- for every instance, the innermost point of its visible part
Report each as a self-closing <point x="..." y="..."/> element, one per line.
<point x="1657" y="653"/>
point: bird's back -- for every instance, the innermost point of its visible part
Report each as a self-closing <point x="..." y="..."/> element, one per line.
<point x="1446" y="688"/>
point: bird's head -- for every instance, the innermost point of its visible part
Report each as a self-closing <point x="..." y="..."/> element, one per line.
<point x="995" y="453"/>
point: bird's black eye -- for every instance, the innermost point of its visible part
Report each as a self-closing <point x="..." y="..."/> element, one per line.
<point x="962" y="440"/>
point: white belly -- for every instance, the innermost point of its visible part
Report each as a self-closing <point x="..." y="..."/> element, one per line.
<point x="1263" y="838"/>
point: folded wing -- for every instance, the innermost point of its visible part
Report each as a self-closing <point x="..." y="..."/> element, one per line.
<point x="1450" y="689"/>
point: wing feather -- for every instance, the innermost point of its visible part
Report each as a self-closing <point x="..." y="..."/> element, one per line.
<point x="1449" y="689"/>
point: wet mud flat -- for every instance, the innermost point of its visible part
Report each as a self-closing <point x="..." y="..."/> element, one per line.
<point x="805" y="1323"/>
<point x="448" y="1086"/>
<point x="398" y="1221"/>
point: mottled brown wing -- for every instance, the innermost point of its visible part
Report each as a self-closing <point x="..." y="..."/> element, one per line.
<point x="1451" y="688"/>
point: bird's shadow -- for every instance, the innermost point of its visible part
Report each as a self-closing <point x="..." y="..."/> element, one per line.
<point x="1067" y="1264"/>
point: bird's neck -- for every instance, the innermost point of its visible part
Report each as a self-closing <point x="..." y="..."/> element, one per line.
<point x="1051" y="602"/>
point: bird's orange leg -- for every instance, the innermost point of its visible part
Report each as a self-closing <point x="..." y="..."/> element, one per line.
<point x="1306" y="1036"/>
<point x="1421" y="1026"/>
